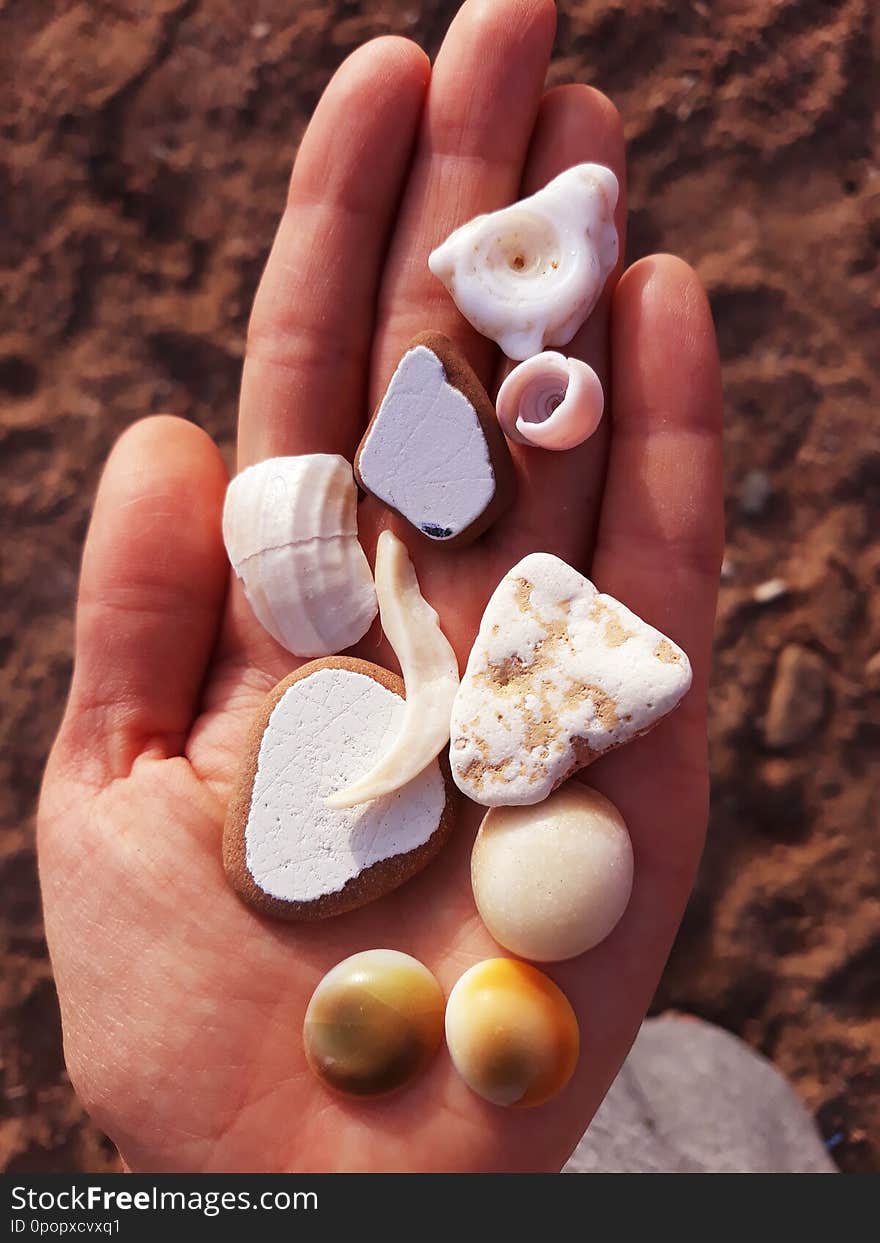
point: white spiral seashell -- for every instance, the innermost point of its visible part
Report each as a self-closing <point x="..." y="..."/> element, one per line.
<point x="290" y="528"/>
<point x="529" y="275"/>
<point x="550" y="401"/>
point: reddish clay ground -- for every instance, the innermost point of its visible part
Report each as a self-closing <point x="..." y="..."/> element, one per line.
<point x="142" y="165"/>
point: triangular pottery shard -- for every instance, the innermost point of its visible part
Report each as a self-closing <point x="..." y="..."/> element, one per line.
<point x="433" y="450"/>
<point x="559" y="674"/>
<point x="286" y="852"/>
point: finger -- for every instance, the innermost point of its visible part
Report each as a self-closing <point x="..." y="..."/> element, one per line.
<point x="560" y="493"/>
<point x="304" y="381"/>
<point x="153" y="581"/>
<point x="660" y="537"/>
<point x="484" y="95"/>
<point x="658" y="549"/>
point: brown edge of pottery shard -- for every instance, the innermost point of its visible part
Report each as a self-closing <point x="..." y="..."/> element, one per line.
<point x="374" y="882"/>
<point x="461" y="375"/>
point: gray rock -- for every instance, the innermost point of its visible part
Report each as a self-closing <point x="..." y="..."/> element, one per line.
<point x="692" y="1098"/>
<point x="872" y="672"/>
<point x="754" y="492"/>
<point x="797" y="700"/>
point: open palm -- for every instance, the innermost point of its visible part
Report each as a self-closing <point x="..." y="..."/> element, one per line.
<point x="182" y="1009"/>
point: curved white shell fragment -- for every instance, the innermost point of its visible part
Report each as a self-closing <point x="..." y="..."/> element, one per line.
<point x="290" y="528"/>
<point x="550" y="401"/>
<point x="430" y="675"/>
<point x="529" y="275"/>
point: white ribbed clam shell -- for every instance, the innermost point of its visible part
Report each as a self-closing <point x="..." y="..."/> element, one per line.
<point x="529" y="275"/>
<point x="290" y="528"/>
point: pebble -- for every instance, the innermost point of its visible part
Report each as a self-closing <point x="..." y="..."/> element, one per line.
<point x="559" y="673"/>
<point x="511" y="1032"/>
<point x="872" y="672"/>
<point x="374" y="1022"/>
<point x="694" y="1099"/>
<point x="797" y="699"/>
<point x="551" y="881"/>
<point x="754" y="492"/>
<point x="772" y="589"/>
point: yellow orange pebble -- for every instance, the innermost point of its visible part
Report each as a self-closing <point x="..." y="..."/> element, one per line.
<point x="374" y="1022"/>
<point x="512" y="1034"/>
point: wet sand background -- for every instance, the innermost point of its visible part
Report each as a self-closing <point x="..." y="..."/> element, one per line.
<point x="144" y="150"/>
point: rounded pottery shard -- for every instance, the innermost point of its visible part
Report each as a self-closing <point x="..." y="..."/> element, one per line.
<point x="433" y="450"/>
<point x="529" y="275"/>
<point x="558" y="675"/>
<point x="551" y="881"/>
<point x="285" y="852"/>
<point x="374" y="1022"/>
<point x="512" y="1034"/>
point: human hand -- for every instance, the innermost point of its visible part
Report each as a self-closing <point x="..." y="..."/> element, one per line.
<point x="182" y="1008"/>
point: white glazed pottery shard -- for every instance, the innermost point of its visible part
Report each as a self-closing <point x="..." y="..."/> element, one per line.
<point x="433" y="450"/>
<point x="559" y="674"/>
<point x="285" y="851"/>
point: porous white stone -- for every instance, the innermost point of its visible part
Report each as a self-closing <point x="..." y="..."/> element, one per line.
<point x="559" y="674"/>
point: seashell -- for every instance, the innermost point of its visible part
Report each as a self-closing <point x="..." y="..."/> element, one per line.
<point x="290" y="528"/>
<point x="529" y="275"/>
<point x="511" y="1033"/>
<point x="286" y="853"/>
<point x="550" y="401"/>
<point x="374" y="1022"/>
<point x="551" y="881"/>
<point x="430" y="674"/>
<point x="558" y="675"/>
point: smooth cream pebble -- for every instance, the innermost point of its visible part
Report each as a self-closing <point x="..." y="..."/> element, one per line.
<point x="374" y="1022"/>
<point x="552" y="880"/>
<point x="512" y="1034"/>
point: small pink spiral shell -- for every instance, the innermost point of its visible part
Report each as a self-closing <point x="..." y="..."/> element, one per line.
<point x="550" y="401"/>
